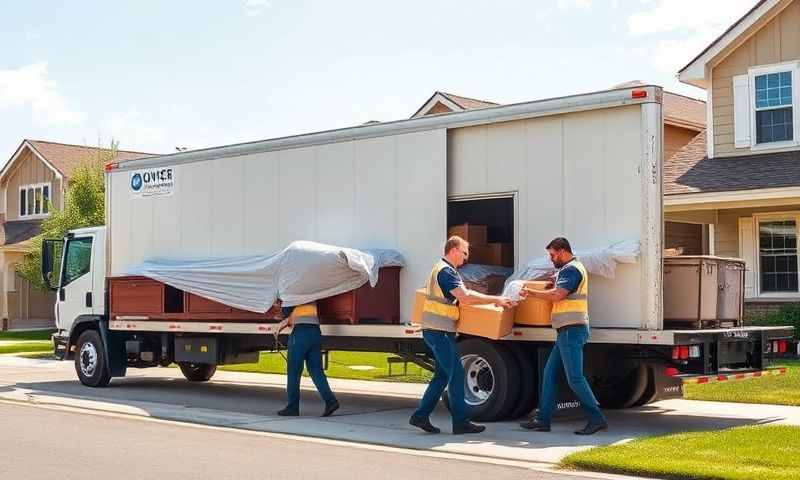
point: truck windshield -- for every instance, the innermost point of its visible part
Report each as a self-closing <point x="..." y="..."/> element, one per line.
<point x="78" y="259"/>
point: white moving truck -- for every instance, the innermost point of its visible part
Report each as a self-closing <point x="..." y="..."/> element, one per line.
<point x="587" y="167"/>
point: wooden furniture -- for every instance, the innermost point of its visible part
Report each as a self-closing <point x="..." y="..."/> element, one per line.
<point x="142" y="296"/>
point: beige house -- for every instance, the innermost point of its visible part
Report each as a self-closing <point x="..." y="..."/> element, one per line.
<point x="32" y="185"/>
<point x="735" y="190"/>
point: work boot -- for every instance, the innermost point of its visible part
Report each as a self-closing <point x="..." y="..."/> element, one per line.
<point x="592" y="428"/>
<point x="535" y="425"/>
<point x="289" y="412"/>
<point x="424" y="423"/>
<point x="467" y="427"/>
<point x="330" y="408"/>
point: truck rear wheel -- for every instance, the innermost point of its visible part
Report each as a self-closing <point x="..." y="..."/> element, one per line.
<point x="90" y="360"/>
<point x="491" y="384"/>
<point x="622" y="391"/>
<point x="528" y="385"/>
<point x="197" y="372"/>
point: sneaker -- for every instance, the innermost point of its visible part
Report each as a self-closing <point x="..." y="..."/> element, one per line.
<point x="591" y="429"/>
<point x="467" y="427"/>
<point x="330" y="408"/>
<point x="423" y="423"/>
<point x="289" y="412"/>
<point x="535" y="425"/>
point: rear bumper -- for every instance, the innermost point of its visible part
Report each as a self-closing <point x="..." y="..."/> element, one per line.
<point x="732" y="376"/>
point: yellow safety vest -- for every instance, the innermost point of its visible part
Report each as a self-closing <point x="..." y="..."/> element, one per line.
<point x="304" y="315"/>
<point x="574" y="309"/>
<point x="438" y="313"/>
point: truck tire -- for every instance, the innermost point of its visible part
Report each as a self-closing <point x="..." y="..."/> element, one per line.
<point x="528" y="383"/>
<point x="90" y="360"/>
<point x="622" y="391"/>
<point x="650" y="393"/>
<point x="491" y="384"/>
<point x="197" y="372"/>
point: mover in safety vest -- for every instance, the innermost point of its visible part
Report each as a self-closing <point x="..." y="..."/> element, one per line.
<point x="444" y="291"/>
<point x="570" y="318"/>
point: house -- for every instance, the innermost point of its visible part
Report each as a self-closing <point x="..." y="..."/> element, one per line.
<point x="33" y="183"/>
<point x="739" y="183"/>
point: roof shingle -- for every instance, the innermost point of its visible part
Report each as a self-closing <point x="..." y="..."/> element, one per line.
<point x="691" y="171"/>
<point x="65" y="157"/>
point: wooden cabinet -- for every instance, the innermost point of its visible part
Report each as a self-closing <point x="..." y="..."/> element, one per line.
<point x="142" y="296"/>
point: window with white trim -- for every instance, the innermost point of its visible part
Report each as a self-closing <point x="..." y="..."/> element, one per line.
<point x="777" y="255"/>
<point x="34" y="200"/>
<point x="765" y="107"/>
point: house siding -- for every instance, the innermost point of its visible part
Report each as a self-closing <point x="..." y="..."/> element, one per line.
<point x="29" y="171"/>
<point x="777" y="41"/>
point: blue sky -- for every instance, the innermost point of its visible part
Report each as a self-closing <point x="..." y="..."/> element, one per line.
<point x="155" y="75"/>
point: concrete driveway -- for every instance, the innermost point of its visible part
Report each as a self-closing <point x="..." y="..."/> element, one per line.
<point x="372" y="412"/>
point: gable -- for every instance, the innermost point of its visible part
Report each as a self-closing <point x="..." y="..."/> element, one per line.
<point x="438" y="107"/>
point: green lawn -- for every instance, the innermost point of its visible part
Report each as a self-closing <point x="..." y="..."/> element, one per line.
<point x="17" y="342"/>
<point x="778" y="390"/>
<point x="351" y="365"/>
<point x="742" y="453"/>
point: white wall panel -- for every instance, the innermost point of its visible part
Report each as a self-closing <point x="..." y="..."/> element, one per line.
<point x="376" y="192"/>
<point x="262" y="190"/>
<point x="298" y="175"/>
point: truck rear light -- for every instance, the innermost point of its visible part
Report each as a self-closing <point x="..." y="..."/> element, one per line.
<point x="110" y="166"/>
<point x="681" y="352"/>
<point x="671" y="371"/>
<point x="676" y="353"/>
<point x="694" y="351"/>
<point x="639" y="94"/>
<point x="684" y="352"/>
<point x="781" y="346"/>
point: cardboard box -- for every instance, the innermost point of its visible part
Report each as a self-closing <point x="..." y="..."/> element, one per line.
<point x="472" y="233"/>
<point x="479" y="320"/>
<point x="534" y="311"/>
<point x="500" y="254"/>
<point x="486" y="321"/>
<point x="419" y="302"/>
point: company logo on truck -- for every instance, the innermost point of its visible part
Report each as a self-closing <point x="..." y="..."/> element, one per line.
<point x="154" y="182"/>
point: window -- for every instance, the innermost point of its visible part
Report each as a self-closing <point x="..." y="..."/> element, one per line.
<point x="777" y="245"/>
<point x="78" y="259"/>
<point x="774" y="107"/>
<point x="33" y="200"/>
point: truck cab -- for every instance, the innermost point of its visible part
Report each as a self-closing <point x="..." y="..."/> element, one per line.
<point x="74" y="267"/>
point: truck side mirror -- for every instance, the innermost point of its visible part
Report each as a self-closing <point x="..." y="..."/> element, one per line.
<point x="51" y="259"/>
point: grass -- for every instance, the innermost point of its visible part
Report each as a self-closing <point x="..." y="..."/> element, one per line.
<point x="350" y="365"/>
<point x="777" y="390"/>
<point x="741" y="453"/>
<point x="18" y="342"/>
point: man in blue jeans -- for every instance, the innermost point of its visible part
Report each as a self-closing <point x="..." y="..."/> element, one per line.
<point x="305" y="343"/>
<point x="570" y="317"/>
<point x="444" y="291"/>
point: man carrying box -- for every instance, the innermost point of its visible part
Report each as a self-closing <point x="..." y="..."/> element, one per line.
<point x="444" y="291"/>
<point x="570" y="317"/>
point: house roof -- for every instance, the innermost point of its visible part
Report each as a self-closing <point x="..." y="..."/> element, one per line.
<point x="63" y="157"/>
<point x="684" y="111"/>
<point x="19" y="231"/>
<point x="689" y="170"/>
<point x="695" y="72"/>
<point x="455" y="102"/>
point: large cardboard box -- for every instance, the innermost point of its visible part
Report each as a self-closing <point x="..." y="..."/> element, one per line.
<point x="500" y="254"/>
<point x="486" y="321"/>
<point x="472" y="233"/>
<point x="534" y="311"/>
<point x="479" y="320"/>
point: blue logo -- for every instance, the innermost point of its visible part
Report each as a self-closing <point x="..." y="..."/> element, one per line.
<point x="136" y="182"/>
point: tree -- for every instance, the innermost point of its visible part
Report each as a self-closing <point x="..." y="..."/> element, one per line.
<point x="84" y="206"/>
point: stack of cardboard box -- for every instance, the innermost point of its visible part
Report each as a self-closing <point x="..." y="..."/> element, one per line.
<point x="480" y="249"/>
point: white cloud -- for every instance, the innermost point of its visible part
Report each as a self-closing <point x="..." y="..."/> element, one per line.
<point x="30" y="86"/>
<point x="683" y="27"/>
<point x="253" y="8"/>
<point x="134" y="131"/>
<point x="569" y="4"/>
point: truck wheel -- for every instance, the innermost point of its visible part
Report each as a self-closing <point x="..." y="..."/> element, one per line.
<point x="491" y="382"/>
<point x="650" y="390"/>
<point x="197" y="372"/>
<point x="90" y="360"/>
<point x="622" y="391"/>
<point x="528" y="385"/>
